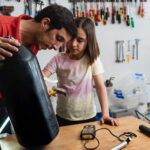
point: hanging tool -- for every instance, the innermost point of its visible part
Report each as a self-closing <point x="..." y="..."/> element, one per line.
<point x="132" y="20"/>
<point x="139" y="10"/>
<point x="98" y="15"/>
<point x="118" y="17"/>
<point x="41" y="3"/>
<point x="135" y="2"/>
<point x="129" y="45"/>
<point x="27" y="9"/>
<point x="122" y="46"/>
<point x="108" y="12"/>
<point x="133" y="54"/>
<point x="81" y="8"/>
<point x="113" y="13"/>
<point x="74" y="8"/>
<point x="125" y="11"/>
<point x="77" y="11"/>
<point x="36" y="10"/>
<point x="128" y="58"/>
<point x="50" y="2"/>
<point x="137" y="45"/>
<point x="142" y="13"/>
<point x="128" y="15"/>
<point x="121" y="52"/>
<point x="117" y="51"/>
<point x="104" y="13"/>
<point x="6" y="10"/>
<point x="92" y="14"/>
<point x="86" y="9"/>
<point x="38" y="6"/>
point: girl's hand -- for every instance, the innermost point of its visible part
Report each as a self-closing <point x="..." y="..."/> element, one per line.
<point x="110" y="120"/>
<point x="49" y="90"/>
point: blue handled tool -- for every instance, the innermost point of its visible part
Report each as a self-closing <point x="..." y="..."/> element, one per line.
<point x="27" y="9"/>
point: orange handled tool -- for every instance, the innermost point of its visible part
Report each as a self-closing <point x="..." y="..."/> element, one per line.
<point x="57" y="90"/>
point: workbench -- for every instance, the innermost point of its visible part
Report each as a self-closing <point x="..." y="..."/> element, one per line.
<point x="69" y="137"/>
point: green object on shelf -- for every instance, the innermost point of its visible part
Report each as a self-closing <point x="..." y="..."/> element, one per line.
<point x="132" y="22"/>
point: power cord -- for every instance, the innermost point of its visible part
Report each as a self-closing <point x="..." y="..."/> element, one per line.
<point x="138" y="113"/>
<point x="127" y="134"/>
<point x="98" y="143"/>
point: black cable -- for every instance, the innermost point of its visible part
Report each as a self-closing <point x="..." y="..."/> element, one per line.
<point x="111" y="134"/>
<point x="127" y="134"/>
<point x="98" y="143"/>
<point x="137" y="112"/>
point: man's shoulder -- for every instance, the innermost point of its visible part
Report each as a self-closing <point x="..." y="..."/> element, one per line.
<point x="5" y="19"/>
<point x="8" y="19"/>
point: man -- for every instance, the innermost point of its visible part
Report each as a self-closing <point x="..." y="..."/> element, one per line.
<point x="53" y="26"/>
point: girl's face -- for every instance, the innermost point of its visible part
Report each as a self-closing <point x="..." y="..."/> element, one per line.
<point x="78" y="45"/>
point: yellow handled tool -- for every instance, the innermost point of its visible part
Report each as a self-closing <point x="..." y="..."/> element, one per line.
<point x="57" y="90"/>
<point x="52" y="93"/>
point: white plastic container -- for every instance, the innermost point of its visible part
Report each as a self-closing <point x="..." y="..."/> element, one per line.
<point x="126" y="103"/>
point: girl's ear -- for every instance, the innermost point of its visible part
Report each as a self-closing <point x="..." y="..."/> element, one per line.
<point x="45" y="23"/>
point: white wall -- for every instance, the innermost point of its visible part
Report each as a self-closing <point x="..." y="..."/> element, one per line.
<point x="107" y="35"/>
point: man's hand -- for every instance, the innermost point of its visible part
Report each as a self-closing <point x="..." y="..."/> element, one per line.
<point x="9" y="44"/>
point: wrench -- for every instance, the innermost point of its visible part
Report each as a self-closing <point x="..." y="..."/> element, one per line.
<point x="137" y="44"/>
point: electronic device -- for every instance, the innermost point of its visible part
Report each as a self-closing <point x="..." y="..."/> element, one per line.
<point x="88" y="132"/>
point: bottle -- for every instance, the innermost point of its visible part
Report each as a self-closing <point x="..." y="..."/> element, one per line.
<point x="25" y="96"/>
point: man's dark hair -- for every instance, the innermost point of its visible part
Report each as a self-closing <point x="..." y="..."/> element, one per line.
<point x="60" y="17"/>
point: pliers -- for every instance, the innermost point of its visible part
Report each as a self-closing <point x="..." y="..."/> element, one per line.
<point x="27" y="9"/>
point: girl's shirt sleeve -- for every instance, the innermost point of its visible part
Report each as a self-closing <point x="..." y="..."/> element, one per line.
<point x="52" y="65"/>
<point x="97" y="67"/>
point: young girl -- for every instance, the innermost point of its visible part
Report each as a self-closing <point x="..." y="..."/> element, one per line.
<point x="75" y="71"/>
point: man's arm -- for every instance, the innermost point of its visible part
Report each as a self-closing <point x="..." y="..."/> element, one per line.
<point x="9" y="44"/>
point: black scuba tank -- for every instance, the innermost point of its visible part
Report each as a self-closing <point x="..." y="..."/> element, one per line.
<point x="25" y="95"/>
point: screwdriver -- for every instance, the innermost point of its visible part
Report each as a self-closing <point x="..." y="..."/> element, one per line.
<point x="142" y="13"/>
<point x="113" y="13"/>
<point x="139" y="10"/>
<point x="86" y="10"/>
<point x="108" y="13"/>
<point x="77" y="11"/>
<point x="128" y="58"/>
<point x="132" y="22"/>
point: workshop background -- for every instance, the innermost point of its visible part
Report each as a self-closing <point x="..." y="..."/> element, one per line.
<point x="127" y="73"/>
